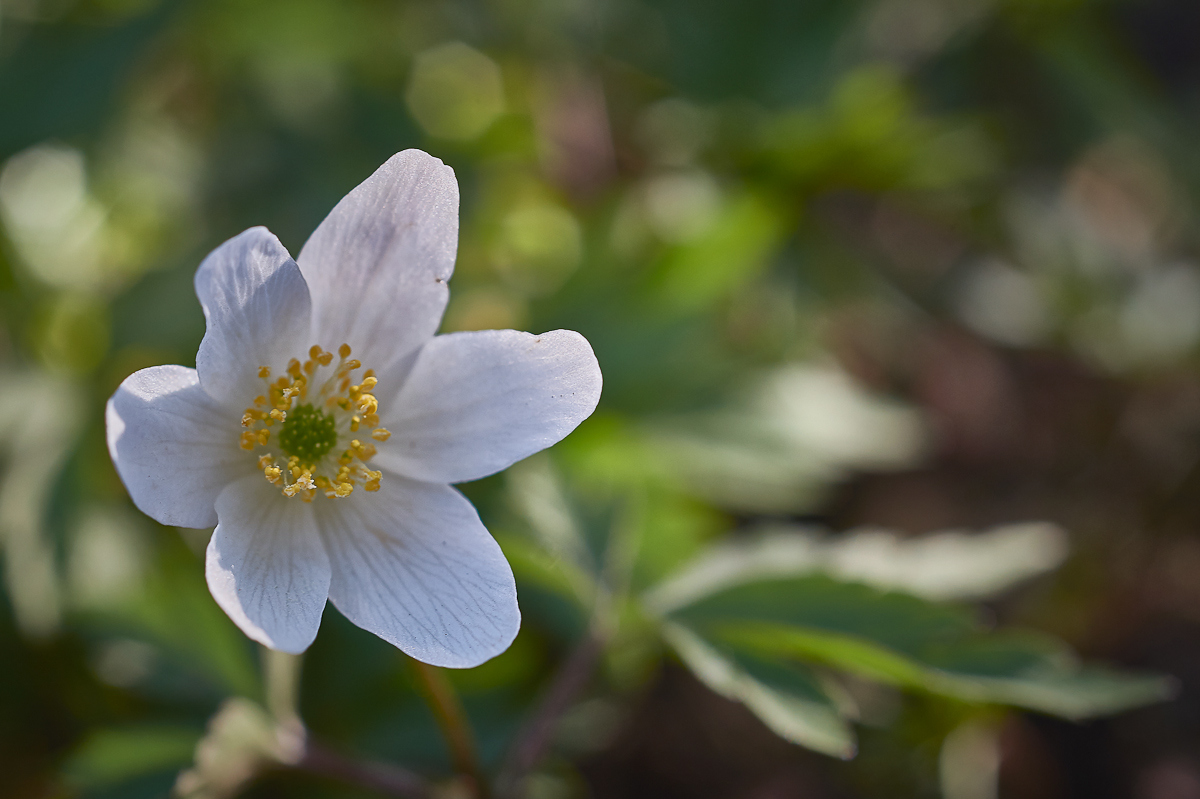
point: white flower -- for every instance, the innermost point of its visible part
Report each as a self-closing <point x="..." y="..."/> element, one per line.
<point x="324" y="422"/>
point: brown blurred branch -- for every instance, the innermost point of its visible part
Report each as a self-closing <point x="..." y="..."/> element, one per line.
<point x="382" y="778"/>
<point x="534" y="739"/>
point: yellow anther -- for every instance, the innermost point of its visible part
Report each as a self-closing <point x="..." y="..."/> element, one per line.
<point x="264" y="372"/>
<point x="314" y="351"/>
<point x="381" y="434"/>
<point x="265" y="461"/>
<point x="260" y="400"/>
<point x="249" y="440"/>
<point x="273" y="474"/>
<point x="343" y="489"/>
<point x="264" y="436"/>
<point x="372" y="419"/>
<point x="372" y="485"/>
<point x="282" y="382"/>
<point x="366" y="452"/>
<point x="369" y="383"/>
<point x="368" y="374"/>
<point x="368" y="404"/>
<point x="278" y="415"/>
<point x="354" y="423"/>
<point x="325" y="358"/>
<point x="303" y="483"/>
<point x="293" y="367"/>
<point x="310" y="367"/>
<point x="353" y="364"/>
<point x="247" y="420"/>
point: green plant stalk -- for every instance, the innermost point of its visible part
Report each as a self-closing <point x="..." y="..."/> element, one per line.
<point x="281" y="677"/>
<point x="448" y="711"/>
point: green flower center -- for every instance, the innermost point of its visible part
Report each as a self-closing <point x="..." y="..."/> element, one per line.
<point x="308" y="433"/>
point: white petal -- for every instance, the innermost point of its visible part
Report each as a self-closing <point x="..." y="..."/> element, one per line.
<point x="266" y="565"/>
<point x="378" y="264"/>
<point x="258" y="311"/>
<point x="475" y="403"/>
<point x="413" y="564"/>
<point x="173" y="445"/>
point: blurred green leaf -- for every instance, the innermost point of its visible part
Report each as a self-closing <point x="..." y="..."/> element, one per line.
<point x="787" y="437"/>
<point x="945" y="565"/>
<point x="738" y="245"/>
<point x="111" y="756"/>
<point x="180" y="614"/>
<point x="531" y="562"/>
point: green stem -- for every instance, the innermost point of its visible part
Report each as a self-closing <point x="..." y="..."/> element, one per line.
<point x="452" y="720"/>
<point x="281" y="673"/>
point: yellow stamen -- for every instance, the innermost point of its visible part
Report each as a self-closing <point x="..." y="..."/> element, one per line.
<point x="335" y="474"/>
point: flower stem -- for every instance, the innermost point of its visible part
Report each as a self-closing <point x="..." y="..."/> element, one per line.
<point x="452" y="720"/>
<point x="281" y="674"/>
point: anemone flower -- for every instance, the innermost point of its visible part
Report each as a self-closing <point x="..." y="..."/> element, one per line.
<point x="324" y="423"/>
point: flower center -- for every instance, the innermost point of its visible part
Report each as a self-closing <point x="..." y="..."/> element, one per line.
<point x="316" y="435"/>
<point x="308" y="433"/>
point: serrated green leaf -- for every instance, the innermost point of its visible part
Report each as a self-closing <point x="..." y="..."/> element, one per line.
<point x="910" y="642"/>
<point x="1051" y="682"/>
<point x="785" y="697"/>
<point x="820" y="603"/>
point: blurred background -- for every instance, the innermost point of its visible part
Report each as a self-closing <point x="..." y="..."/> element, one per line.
<point x="906" y="265"/>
